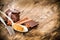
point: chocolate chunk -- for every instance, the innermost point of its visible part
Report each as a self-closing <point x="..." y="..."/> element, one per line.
<point x="31" y="23"/>
<point x="13" y="14"/>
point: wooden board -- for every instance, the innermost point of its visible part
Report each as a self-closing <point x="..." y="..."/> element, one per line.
<point x="45" y="14"/>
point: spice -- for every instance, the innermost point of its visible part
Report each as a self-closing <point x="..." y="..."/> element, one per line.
<point x="23" y="20"/>
<point x="20" y="28"/>
<point x="17" y="27"/>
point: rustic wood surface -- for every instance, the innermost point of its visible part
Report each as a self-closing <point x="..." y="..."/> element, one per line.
<point x="44" y="12"/>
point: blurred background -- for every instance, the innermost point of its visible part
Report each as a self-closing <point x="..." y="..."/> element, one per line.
<point x="46" y="12"/>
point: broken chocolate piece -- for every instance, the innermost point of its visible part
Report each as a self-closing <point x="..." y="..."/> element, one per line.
<point x="13" y="14"/>
<point x="30" y="23"/>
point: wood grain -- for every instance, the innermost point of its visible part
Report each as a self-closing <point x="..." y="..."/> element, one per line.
<point x="43" y="12"/>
